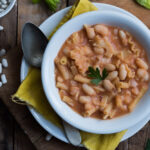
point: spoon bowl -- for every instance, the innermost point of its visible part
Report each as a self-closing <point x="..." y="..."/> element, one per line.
<point x="33" y="43"/>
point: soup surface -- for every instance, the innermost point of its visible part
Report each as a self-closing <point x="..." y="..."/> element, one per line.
<point x="101" y="71"/>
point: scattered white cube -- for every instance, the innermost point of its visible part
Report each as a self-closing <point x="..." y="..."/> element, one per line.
<point x="4" y="2"/>
<point x="3" y="79"/>
<point x="2" y="52"/>
<point x="4" y="63"/>
<point x="1" y="68"/>
<point x="1" y="84"/>
<point x="1" y="27"/>
<point x="48" y="137"/>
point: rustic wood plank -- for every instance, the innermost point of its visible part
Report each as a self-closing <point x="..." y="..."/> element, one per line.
<point x="35" y="13"/>
<point x="138" y="141"/>
<point x="123" y="145"/>
<point x="21" y="141"/>
<point x="70" y="2"/>
<point x="8" y="35"/>
<point x="6" y="129"/>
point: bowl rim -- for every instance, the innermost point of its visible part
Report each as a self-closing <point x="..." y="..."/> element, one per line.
<point x="50" y="95"/>
<point x="8" y="9"/>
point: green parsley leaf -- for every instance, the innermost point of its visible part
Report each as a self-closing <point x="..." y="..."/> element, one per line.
<point x="52" y="4"/>
<point x="36" y="1"/>
<point x="96" y="76"/>
<point x="145" y="3"/>
<point x="96" y="81"/>
<point x="104" y="74"/>
<point x="148" y="145"/>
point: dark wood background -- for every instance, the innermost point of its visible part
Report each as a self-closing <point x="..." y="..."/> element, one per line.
<point x="18" y="129"/>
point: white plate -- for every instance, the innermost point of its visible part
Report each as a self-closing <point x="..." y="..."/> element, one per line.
<point x="47" y="26"/>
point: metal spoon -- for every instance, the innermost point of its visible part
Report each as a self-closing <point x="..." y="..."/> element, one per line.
<point x="33" y="43"/>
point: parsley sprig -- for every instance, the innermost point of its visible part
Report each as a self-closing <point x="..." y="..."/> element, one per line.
<point x="52" y="4"/>
<point x="96" y="76"/>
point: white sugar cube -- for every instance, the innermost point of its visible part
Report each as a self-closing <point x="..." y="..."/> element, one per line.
<point x="1" y="27"/>
<point x="4" y="63"/>
<point x="4" y="2"/>
<point x="3" y="6"/>
<point x="2" y="52"/>
<point x="0" y="68"/>
<point x="1" y="10"/>
<point x="3" y="79"/>
<point x="48" y="137"/>
<point x="1" y="84"/>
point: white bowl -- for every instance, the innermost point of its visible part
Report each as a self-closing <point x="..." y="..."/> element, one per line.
<point x="8" y="9"/>
<point x="136" y="28"/>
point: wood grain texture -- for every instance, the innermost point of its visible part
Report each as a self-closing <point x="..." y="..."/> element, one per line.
<point x="8" y="35"/>
<point x="12" y="136"/>
<point x="35" y="13"/>
<point x="25" y="11"/>
<point x="21" y="142"/>
<point x="6" y="129"/>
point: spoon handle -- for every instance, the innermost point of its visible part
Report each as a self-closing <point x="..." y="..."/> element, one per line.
<point x="72" y="134"/>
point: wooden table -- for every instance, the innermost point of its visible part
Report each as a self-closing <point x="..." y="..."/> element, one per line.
<point x="18" y="129"/>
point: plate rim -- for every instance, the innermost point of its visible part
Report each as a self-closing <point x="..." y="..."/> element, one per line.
<point x="59" y="12"/>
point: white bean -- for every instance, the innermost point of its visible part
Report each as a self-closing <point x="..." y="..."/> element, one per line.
<point x="84" y="99"/>
<point x="1" y="68"/>
<point x="101" y="29"/>
<point x="3" y="79"/>
<point x="135" y="90"/>
<point x="48" y="137"/>
<point x="141" y="63"/>
<point x="122" y="34"/>
<point x="112" y="75"/>
<point x="133" y="83"/>
<point x="99" y="50"/>
<point x="4" y="6"/>
<point x="123" y="37"/>
<point x="122" y="72"/>
<point x="108" y="85"/>
<point x="1" y="84"/>
<point x="60" y="79"/>
<point x="1" y="10"/>
<point x="141" y="73"/>
<point x="146" y="77"/>
<point x="88" y="89"/>
<point x="110" y="67"/>
<point x="2" y="52"/>
<point x="4" y="2"/>
<point x="1" y="27"/>
<point x="4" y="63"/>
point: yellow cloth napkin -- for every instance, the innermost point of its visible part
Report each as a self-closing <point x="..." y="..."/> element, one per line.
<point x="31" y="93"/>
